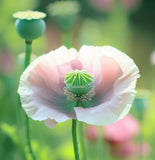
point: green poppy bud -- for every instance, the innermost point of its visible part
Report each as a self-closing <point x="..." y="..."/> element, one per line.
<point x="29" y="24"/>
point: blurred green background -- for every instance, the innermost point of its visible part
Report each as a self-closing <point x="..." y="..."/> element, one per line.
<point x="128" y="25"/>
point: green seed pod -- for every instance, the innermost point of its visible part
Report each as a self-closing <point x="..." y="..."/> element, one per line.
<point x="79" y="82"/>
<point x="30" y="29"/>
<point x="29" y="24"/>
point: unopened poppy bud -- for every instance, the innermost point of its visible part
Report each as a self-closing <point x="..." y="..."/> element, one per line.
<point x="79" y="82"/>
<point x="29" y="24"/>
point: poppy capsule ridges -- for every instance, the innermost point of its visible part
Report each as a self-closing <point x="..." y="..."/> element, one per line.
<point x="79" y="82"/>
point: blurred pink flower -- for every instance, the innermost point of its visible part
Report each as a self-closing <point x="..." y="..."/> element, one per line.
<point x="91" y="132"/>
<point x="115" y="75"/>
<point x="105" y="5"/>
<point x="108" y="5"/>
<point x="143" y="148"/>
<point x="6" y="62"/>
<point x="130" y="149"/>
<point x="122" y="131"/>
<point x="130" y="4"/>
<point x="124" y="150"/>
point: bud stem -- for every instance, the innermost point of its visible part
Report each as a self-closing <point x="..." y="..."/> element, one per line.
<point x="28" y="48"/>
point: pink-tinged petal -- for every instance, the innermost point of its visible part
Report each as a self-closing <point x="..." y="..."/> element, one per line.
<point x="50" y="123"/>
<point x="124" y="87"/>
<point x="104" y="69"/>
<point x="41" y="86"/>
<point x="90" y="60"/>
<point x="120" y="89"/>
<point x="111" y="71"/>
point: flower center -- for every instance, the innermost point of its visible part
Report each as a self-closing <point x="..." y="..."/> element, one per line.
<point x="79" y="86"/>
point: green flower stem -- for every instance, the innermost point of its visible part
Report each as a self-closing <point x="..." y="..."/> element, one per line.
<point x="28" y="48"/>
<point x="82" y="144"/>
<point x="28" y="138"/>
<point x="75" y="143"/>
<point x="74" y="137"/>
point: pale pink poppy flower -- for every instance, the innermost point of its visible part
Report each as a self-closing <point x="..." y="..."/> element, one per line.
<point x="115" y="75"/>
<point x="122" y="131"/>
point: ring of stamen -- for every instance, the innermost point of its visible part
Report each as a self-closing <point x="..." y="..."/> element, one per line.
<point x="79" y="86"/>
<point x="74" y="97"/>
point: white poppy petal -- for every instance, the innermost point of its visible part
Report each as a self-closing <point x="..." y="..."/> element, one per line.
<point x="90" y="59"/>
<point x="50" y="123"/>
<point x="120" y="97"/>
<point x="41" y="86"/>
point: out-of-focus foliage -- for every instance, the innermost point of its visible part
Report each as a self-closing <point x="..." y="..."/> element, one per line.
<point x="144" y="15"/>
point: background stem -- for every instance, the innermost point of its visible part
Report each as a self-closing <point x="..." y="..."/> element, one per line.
<point x="82" y="144"/>
<point x="28" y="48"/>
<point x="67" y="38"/>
